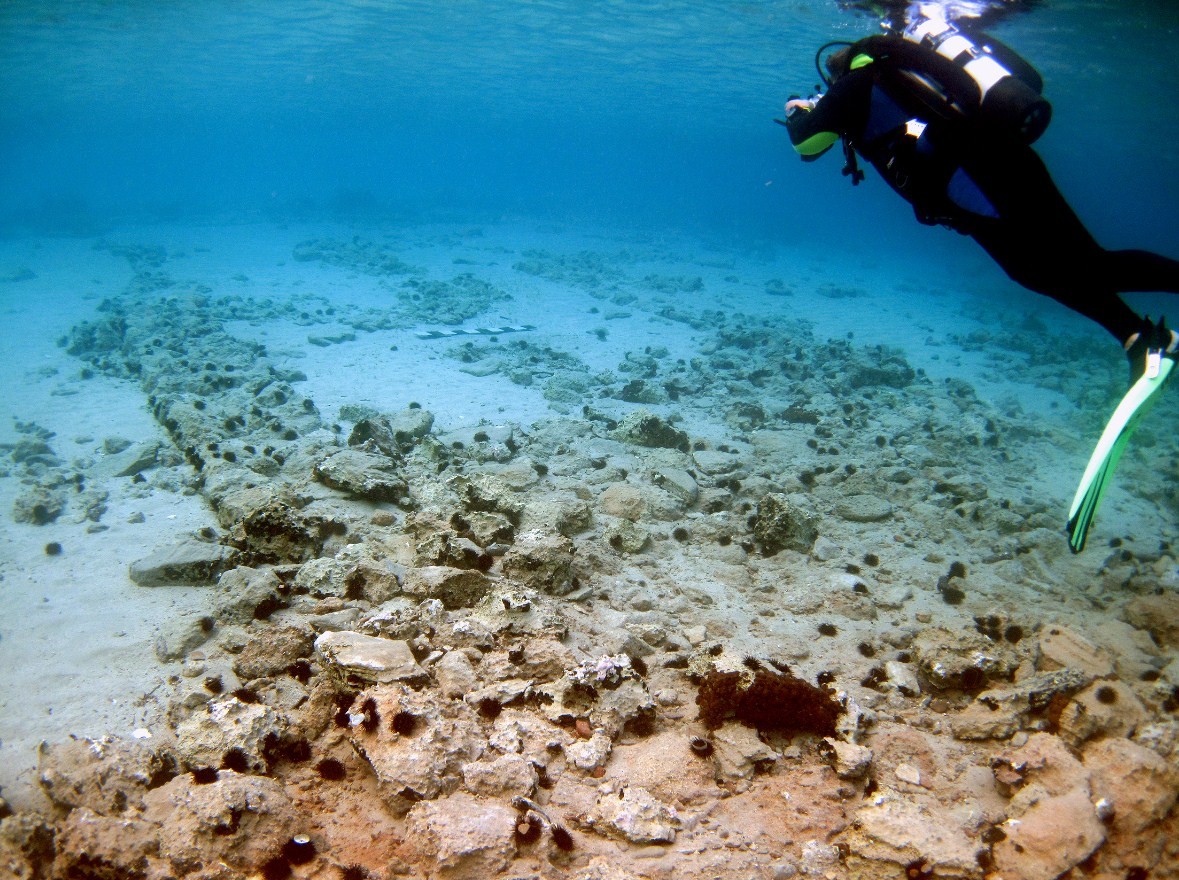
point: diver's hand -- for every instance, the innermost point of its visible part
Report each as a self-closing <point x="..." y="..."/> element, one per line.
<point x="796" y="104"/>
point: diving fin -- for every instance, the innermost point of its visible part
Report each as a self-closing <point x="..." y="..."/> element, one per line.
<point x="1113" y="442"/>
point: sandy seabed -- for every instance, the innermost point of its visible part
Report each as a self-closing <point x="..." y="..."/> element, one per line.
<point x="733" y="563"/>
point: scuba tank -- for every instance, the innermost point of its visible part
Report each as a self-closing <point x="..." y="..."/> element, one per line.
<point x="998" y="87"/>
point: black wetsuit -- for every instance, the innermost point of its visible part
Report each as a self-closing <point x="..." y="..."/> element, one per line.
<point x="994" y="188"/>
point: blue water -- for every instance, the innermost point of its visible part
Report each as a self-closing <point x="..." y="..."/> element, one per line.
<point x="643" y="113"/>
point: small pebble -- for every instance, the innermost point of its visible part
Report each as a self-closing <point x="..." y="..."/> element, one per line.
<point x="908" y="773"/>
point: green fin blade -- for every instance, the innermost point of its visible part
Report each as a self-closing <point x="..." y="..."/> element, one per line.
<point x="1104" y="459"/>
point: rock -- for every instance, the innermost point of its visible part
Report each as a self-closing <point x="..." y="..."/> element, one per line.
<point x="322" y="577"/>
<point x="454" y="587"/>
<point x="129" y="461"/>
<point x="1051" y="837"/>
<point x="848" y="760"/>
<point x="39" y="506"/>
<point x="189" y="562"/>
<point x="1139" y="784"/>
<point x="506" y="775"/>
<point x="394" y="434"/>
<point x="902" y="677"/>
<point x="962" y="660"/>
<point x="1062" y="648"/>
<point x="247" y="594"/>
<point x="634" y="815"/>
<point x="540" y="561"/>
<point x="567" y="516"/>
<point x="889" y="834"/>
<point x="456" y="674"/>
<point x="416" y="746"/>
<point x="177" y="637"/>
<point x="642" y="428"/>
<point x="273" y="652"/>
<point x="355" y="661"/>
<point x="825" y="550"/>
<point x="1158" y="615"/>
<point x="623" y="501"/>
<point x="237" y="819"/>
<point x="999" y="712"/>
<point x="782" y="524"/>
<point x="1105" y="708"/>
<point x="738" y="753"/>
<point x="678" y="483"/>
<point x="362" y="474"/>
<point x="715" y="463"/>
<point x="106" y="775"/>
<point x="463" y="836"/>
<point x="606" y="691"/>
<point x="90" y="845"/>
<point x="230" y="733"/>
<point x="626" y="536"/>
<point x="863" y="508"/>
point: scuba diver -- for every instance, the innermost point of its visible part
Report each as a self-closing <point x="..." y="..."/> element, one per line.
<point x="947" y="117"/>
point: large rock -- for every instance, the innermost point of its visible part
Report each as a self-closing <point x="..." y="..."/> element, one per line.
<point x="540" y="562"/>
<point x="230" y="733"/>
<point x="363" y="474"/>
<point x="888" y="835"/>
<point x="634" y="815"/>
<point x="416" y="746"/>
<point x="463" y="836"/>
<point x="1052" y="836"/>
<point x="1158" y="615"/>
<point x="239" y="819"/>
<point x="454" y="587"/>
<point x="106" y="775"/>
<point x="189" y="562"/>
<point x="782" y="524"/>
<point x="356" y="661"/>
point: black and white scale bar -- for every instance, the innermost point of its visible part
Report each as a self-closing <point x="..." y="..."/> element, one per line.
<point x="476" y="331"/>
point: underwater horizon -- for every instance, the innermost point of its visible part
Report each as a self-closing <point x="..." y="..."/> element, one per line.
<point x="462" y="439"/>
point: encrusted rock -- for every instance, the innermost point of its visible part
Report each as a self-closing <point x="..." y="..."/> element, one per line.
<point x="541" y="562"/>
<point x="1063" y="648"/>
<point x="633" y="814"/>
<point x="454" y="587"/>
<point x="355" y="661"/>
<point x="106" y="775"/>
<point x="643" y="428"/>
<point x="417" y="746"/>
<point x="189" y="562"/>
<point x="624" y="501"/>
<point x="1052" y="836"/>
<point x="228" y="732"/>
<point x="363" y="474"/>
<point x="782" y="524"/>
<point x="463" y="836"/>
<point x="506" y="775"/>
<point x="889" y="835"/>
<point x="239" y="819"/>
<point x="999" y="712"/>
<point x="962" y="660"/>
<point x="273" y="651"/>
<point x="848" y="760"/>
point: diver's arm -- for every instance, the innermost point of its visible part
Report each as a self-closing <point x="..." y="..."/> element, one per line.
<point x="816" y="124"/>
